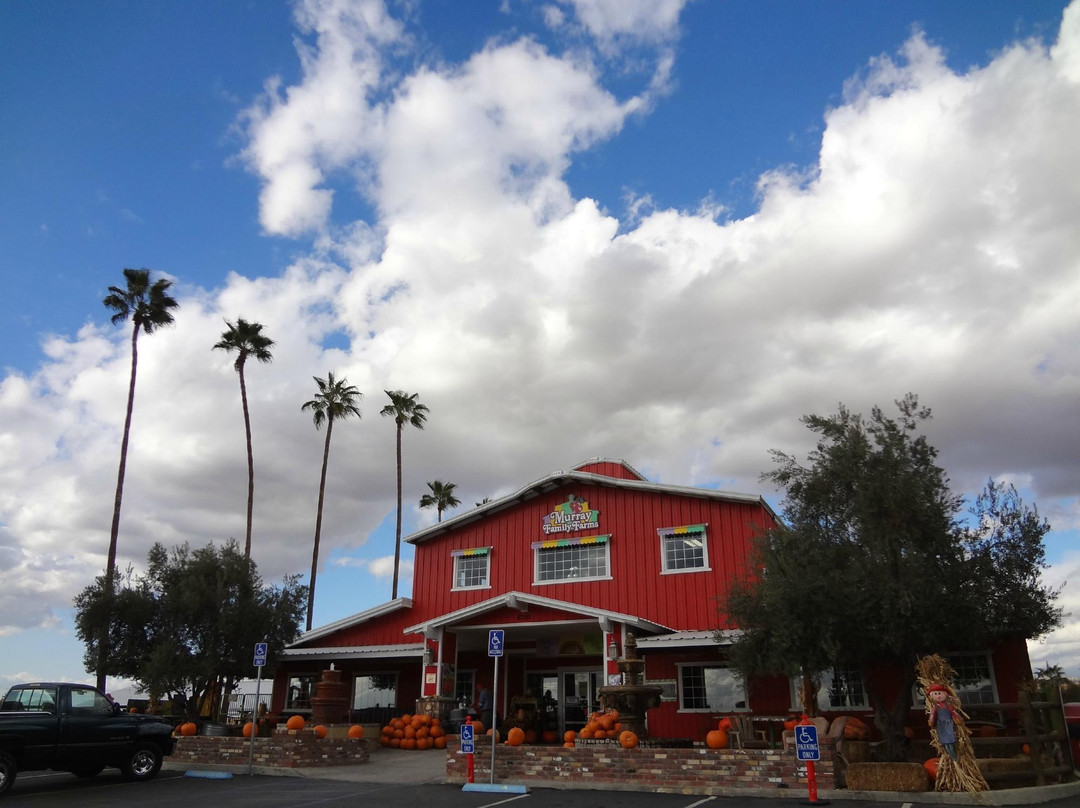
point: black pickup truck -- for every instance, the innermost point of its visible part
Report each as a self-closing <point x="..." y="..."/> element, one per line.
<point x="77" y="729"/>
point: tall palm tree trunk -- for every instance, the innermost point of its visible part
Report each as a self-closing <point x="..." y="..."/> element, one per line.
<point x="397" y="537"/>
<point x="114" y="533"/>
<point x="251" y="464"/>
<point x="318" y="525"/>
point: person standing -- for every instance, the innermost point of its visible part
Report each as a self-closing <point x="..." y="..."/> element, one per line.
<point x="485" y="706"/>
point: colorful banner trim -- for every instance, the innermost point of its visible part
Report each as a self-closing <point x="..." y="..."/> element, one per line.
<point x="473" y="551"/>
<point x="549" y="543"/>
<point x="678" y="531"/>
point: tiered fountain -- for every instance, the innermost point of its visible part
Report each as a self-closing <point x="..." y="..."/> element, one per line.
<point x="631" y="698"/>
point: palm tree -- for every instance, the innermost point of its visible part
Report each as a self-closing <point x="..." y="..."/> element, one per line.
<point x="335" y="399"/>
<point x="247" y="340"/>
<point x="405" y="409"/>
<point x="441" y="496"/>
<point x="149" y="307"/>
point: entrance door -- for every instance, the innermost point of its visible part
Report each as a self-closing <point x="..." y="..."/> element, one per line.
<point x="578" y="697"/>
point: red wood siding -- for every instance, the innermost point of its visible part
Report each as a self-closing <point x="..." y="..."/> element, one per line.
<point x="608" y="468"/>
<point x="636" y="586"/>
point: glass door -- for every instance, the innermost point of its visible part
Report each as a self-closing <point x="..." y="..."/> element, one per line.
<point x="578" y="697"/>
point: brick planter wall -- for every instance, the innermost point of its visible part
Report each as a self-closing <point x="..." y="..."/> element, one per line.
<point x="284" y="750"/>
<point x="698" y="770"/>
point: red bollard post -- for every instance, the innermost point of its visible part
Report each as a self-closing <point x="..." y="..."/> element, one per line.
<point x="811" y="773"/>
<point x="470" y="771"/>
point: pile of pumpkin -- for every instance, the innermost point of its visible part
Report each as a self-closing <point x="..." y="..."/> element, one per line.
<point x="413" y="732"/>
<point x="602" y="725"/>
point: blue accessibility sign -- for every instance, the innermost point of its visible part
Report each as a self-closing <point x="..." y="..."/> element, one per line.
<point x="806" y="742"/>
<point x="495" y="642"/>
<point x="467" y="739"/>
<point x="260" y="654"/>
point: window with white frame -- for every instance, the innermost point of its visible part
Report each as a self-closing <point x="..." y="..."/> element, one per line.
<point x="710" y="688"/>
<point x="375" y="690"/>
<point x="684" y="549"/>
<point x="571" y="559"/>
<point x="472" y="568"/>
<point x="974" y="682"/>
<point x="465" y="687"/>
<point x="840" y="687"/>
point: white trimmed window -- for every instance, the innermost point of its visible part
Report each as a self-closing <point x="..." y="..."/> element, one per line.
<point x="974" y="682"/>
<point x="841" y="688"/>
<point x="710" y="689"/>
<point x="579" y="559"/>
<point x="684" y="549"/>
<point x="375" y="690"/>
<point x="472" y="568"/>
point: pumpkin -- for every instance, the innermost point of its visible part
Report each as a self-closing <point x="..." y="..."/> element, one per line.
<point x="320" y="731"/>
<point x="607" y="723"/>
<point x="440" y="741"/>
<point x="717" y="739"/>
<point x="1026" y="749"/>
<point x="549" y="736"/>
<point x="395" y="743"/>
<point x="295" y="722"/>
<point x="569" y="745"/>
<point x="627" y="739"/>
<point x="190" y="728"/>
<point x="516" y="736"/>
<point x="987" y="731"/>
<point x="724" y="725"/>
<point x="569" y="736"/>
<point x="436" y="731"/>
<point x="931" y="767"/>
<point x="790" y="725"/>
<point x="856" y="729"/>
<point x="384" y="740"/>
<point x="356" y="731"/>
<point x="408" y="743"/>
<point x="477" y="728"/>
<point x="530" y="736"/>
<point x="248" y="727"/>
<point x="587" y="732"/>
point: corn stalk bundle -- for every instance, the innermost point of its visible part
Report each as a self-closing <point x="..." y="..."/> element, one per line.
<point x="963" y="773"/>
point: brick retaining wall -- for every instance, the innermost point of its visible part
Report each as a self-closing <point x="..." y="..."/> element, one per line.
<point x="698" y="770"/>
<point x="283" y="750"/>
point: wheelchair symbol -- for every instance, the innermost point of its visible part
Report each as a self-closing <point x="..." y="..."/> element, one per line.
<point x="806" y="735"/>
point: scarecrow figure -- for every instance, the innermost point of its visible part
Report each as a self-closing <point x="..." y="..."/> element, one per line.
<point x="957" y="768"/>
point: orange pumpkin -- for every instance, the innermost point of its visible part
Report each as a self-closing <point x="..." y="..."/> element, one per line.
<point x="931" y="767"/>
<point x="569" y="745"/>
<point x="477" y="728"/>
<point x="384" y="740"/>
<point x="717" y="739"/>
<point x="587" y="732"/>
<point x="248" y="727"/>
<point x="295" y="722"/>
<point x="725" y="724"/>
<point x="320" y="731"/>
<point x="408" y="743"/>
<point x="790" y="725"/>
<point x="607" y="723"/>
<point x="987" y="731"/>
<point x="569" y="736"/>
<point x="516" y="736"/>
<point x="440" y="741"/>
<point x="436" y="731"/>
<point x="627" y="739"/>
<point x="395" y="743"/>
<point x="356" y="731"/>
<point x="190" y="728"/>
<point x="530" y="736"/>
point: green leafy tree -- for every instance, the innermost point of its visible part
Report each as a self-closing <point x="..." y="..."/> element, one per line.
<point x="404" y="408"/>
<point x="149" y="306"/>
<point x="190" y="622"/>
<point x="441" y="497"/>
<point x="872" y="566"/>
<point x="334" y="401"/>
<point x="247" y="340"/>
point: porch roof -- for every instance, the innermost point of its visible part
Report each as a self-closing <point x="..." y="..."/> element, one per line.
<point x="356" y="651"/>
<point x="352" y="620"/>
<point x="687" y="639"/>
<point x="519" y="600"/>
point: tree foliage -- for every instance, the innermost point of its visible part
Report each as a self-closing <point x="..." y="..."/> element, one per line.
<point x="873" y="566"/>
<point x="190" y="622"/>
<point x="441" y="498"/>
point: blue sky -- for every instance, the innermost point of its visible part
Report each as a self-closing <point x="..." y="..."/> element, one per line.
<point x="524" y="211"/>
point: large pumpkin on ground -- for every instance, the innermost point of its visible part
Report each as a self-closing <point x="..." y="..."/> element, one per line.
<point x="248" y="729"/>
<point x="717" y="739"/>
<point x="356" y="731"/>
<point x="320" y="731"/>
<point x="516" y="736"/>
<point x="627" y="739"/>
<point x="295" y="722"/>
<point x="190" y="728"/>
<point x="931" y="767"/>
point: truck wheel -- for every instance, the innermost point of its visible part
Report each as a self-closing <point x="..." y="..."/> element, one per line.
<point x="142" y="763"/>
<point x="8" y="770"/>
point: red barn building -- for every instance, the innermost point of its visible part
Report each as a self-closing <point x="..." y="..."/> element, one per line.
<point x="568" y="566"/>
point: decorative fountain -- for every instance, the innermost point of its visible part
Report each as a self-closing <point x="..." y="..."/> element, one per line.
<point x="631" y="698"/>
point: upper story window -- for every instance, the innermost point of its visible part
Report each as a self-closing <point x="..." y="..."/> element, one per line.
<point x="472" y="568"/>
<point x="710" y="688"/>
<point x="684" y="549"/>
<point x="576" y="559"/>
<point x="974" y="681"/>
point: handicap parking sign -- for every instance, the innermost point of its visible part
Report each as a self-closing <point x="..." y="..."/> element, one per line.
<point x="806" y="742"/>
<point x="467" y="739"/>
<point x="495" y="642"/>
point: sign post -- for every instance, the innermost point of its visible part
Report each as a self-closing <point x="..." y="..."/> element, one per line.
<point x="806" y="748"/>
<point x="468" y="747"/>
<point x="496" y="640"/>
<point x="259" y="662"/>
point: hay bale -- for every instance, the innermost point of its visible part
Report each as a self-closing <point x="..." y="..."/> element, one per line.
<point x="887" y="777"/>
<point x="855" y="751"/>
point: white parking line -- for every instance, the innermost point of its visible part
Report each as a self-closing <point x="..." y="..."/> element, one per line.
<point x="702" y="802"/>
<point x="502" y="802"/>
